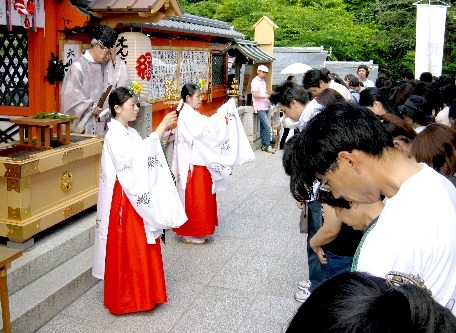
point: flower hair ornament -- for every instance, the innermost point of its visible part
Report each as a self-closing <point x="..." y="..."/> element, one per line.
<point x="134" y="88"/>
<point x="394" y="278"/>
<point x="201" y="84"/>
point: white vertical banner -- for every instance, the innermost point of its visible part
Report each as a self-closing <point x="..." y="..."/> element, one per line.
<point x="430" y="36"/>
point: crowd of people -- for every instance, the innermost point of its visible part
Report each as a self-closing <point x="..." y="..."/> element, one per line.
<point x="372" y="167"/>
<point x="373" y="162"/>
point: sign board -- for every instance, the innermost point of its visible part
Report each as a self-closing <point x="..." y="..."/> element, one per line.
<point x="70" y="50"/>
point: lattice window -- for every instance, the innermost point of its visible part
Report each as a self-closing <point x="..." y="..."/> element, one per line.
<point x="14" y="69"/>
<point x="217" y="69"/>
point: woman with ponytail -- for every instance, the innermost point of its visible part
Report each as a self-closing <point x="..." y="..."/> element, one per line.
<point x="137" y="199"/>
<point x="205" y="151"/>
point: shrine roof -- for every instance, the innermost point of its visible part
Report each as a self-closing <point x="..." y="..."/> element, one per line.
<point x="186" y="24"/>
<point x="194" y="24"/>
<point x="133" y="5"/>
<point x="250" y="50"/>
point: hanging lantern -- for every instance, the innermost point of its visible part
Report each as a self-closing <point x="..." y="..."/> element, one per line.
<point x="136" y="49"/>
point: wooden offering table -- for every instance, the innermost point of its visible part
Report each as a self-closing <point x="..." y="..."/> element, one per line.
<point x="7" y="255"/>
<point x="44" y="131"/>
<point x="41" y="187"/>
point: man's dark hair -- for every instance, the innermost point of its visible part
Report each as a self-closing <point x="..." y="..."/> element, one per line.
<point x="339" y="127"/>
<point x="312" y="78"/>
<point x="383" y="72"/>
<point x="357" y="302"/>
<point x="325" y="71"/>
<point x="431" y="93"/>
<point x="329" y="96"/>
<point x="406" y="73"/>
<point x="426" y="77"/>
<point x="365" y="68"/>
<point x="287" y="92"/>
<point x="452" y="111"/>
<point x="448" y="93"/>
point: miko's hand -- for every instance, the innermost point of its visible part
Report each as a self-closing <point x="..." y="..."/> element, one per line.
<point x="170" y="120"/>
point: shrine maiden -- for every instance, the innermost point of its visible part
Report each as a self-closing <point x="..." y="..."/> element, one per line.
<point x="137" y="199"/>
<point x="205" y="151"/>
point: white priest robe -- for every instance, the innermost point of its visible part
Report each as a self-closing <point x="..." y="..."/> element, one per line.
<point x="82" y="88"/>
<point x="142" y="171"/>
<point x="217" y="142"/>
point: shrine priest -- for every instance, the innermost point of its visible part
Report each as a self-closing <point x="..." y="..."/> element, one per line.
<point x="85" y="83"/>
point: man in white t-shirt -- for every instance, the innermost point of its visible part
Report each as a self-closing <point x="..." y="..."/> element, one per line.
<point x="314" y="81"/>
<point x="348" y="149"/>
<point x="363" y="73"/>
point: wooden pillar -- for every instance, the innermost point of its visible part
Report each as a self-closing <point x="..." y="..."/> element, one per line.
<point x="7" y="255"/>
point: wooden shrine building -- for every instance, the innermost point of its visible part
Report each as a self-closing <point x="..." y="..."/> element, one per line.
<point x="62" y="28"/>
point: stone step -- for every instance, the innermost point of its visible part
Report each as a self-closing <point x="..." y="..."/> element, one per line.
<point x="36" y="303"/>
<point x="52" y="248"/>
<point x="52" y="273"/>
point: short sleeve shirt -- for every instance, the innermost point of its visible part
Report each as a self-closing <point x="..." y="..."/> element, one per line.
<point x="259" y="85"/>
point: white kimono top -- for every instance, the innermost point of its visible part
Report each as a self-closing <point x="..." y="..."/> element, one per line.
<point x="217" y="142"/>
<point x="142" y="171"/>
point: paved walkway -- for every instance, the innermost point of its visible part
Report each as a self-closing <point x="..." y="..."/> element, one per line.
<point x="242" y="280"/>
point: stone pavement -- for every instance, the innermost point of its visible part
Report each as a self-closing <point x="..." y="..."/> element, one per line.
<point x="243" y="280"/>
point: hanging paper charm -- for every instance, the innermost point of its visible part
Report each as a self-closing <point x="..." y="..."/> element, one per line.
<point x="26" y="9"/>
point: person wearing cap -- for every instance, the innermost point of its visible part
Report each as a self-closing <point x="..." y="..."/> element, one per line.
<point x="363" y="73"/>
<point x="414" y="111"/>
<point x="85" y="83"/>
<point x="260" y="99"/>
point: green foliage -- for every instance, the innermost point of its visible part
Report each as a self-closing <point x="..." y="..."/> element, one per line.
<point x="449" y="69"/>
<point x="356" y="30"/>
<point x="409" y="60"/>
<point x="201" y="8"/>
<point x="53" y="115"/>
<point x="395" y="20"/>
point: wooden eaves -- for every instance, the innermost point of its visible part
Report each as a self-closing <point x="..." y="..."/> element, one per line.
<point x="111" y="12"/>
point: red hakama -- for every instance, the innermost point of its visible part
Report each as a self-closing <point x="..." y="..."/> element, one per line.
<point x="200" y="205"/>
<point x="134" y="279"/>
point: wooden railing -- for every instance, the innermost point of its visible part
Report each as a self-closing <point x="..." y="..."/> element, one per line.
<point x="10" y="131"/>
